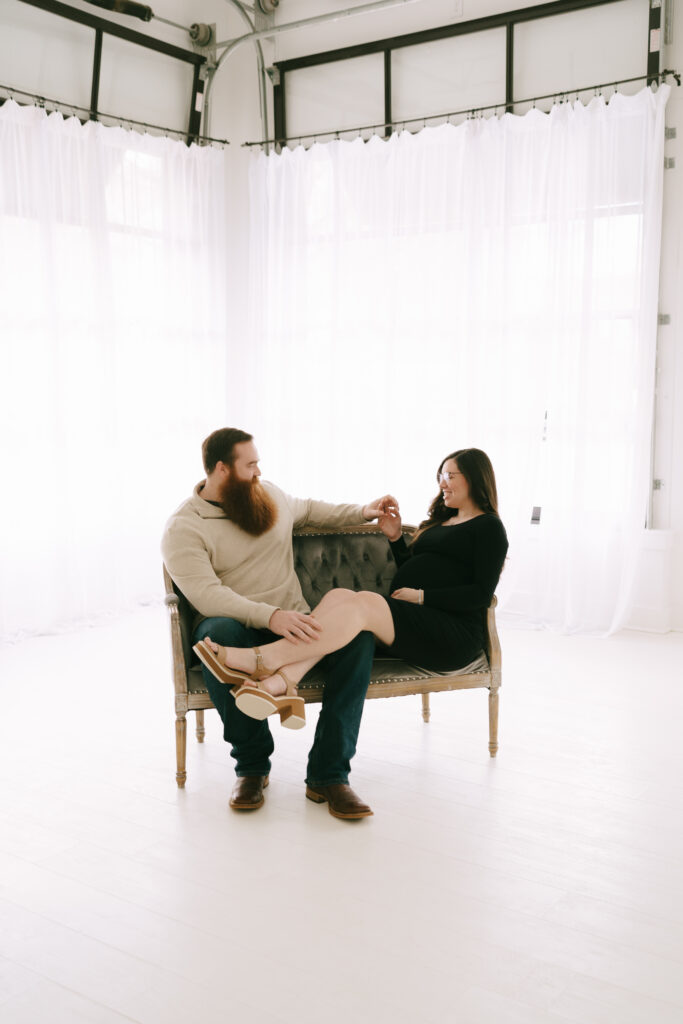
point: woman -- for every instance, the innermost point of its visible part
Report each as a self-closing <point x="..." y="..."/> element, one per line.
<point x="435" y="616"/>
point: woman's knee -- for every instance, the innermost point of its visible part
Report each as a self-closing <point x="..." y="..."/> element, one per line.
<point x="376" y="615"/>
<point x="370" y="601"/>
<point x="340" y="595"/>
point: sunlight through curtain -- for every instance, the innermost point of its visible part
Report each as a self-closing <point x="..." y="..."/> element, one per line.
<point x="112" y="327"/>
<point x="491" y="285"/>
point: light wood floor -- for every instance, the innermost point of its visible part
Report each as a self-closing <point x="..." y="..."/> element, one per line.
<point x="544" y="886"/>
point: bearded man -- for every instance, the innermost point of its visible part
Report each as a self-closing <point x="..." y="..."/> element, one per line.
<point x="228" y="548"/>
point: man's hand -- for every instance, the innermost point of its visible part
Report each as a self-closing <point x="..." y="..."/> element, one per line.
<point x="294" y="626"/>
<point x="407" y="594"/>
<point x="381" y="506"/>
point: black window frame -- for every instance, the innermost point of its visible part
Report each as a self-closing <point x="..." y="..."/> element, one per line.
<point x="507" y="20"/>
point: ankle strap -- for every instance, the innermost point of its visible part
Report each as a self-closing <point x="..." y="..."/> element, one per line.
<point x="291" y="687"/>
<point x="260" y="672"/>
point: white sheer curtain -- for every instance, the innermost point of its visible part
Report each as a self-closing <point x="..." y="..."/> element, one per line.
<point x="491" y="285"/>
<point x="112" y="332"/>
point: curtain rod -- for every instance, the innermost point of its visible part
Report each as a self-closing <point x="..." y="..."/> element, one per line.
<point x="563" y="95"/>
<point x="123" y="122"/>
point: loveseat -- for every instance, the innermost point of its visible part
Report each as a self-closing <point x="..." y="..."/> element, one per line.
<point x="359" y="558"/>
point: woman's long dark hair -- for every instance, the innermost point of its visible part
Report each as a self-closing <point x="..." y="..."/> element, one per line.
<point x="475" y="466"/>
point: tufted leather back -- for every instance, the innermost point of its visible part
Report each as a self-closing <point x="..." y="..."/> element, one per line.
<point x="358" y="560"/>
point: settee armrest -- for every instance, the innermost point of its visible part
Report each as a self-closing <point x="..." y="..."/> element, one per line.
<point x="493" y="652"/>
<point x="172" y="602"/>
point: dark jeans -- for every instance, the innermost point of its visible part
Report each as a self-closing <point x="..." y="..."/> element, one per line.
<point x="347" y="676"/>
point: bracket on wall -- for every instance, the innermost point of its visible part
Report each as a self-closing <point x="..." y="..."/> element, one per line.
<point x="264" y="14"/>
<point x="201" y="34"/>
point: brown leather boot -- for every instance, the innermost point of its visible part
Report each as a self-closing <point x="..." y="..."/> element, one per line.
<point x="247" y="794"/>
<point x="342" y="802"/>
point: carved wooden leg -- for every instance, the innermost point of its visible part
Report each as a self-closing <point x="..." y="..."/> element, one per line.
<point x="425" y="707"/>
<point x="201" y="732"/>
<point x="493" y="721"/>
<point x="180" y="748"/>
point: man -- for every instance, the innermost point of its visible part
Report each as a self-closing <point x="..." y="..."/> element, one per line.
<point x="228" y="548"/>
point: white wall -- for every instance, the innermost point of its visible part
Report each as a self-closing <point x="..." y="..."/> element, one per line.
<point x="668" y="502"/>
<point x="42" y="53"/>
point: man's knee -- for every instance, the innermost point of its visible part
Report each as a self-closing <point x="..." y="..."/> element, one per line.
<point x="363" y="643"/>
<point x="347" y="676"/>
<point x="227" y="632"/>
<point x="360" y="650"/>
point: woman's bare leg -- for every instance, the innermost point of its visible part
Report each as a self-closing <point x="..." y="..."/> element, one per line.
<point x="342" y="614"/>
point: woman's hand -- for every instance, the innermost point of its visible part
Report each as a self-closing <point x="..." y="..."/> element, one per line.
<point x="390" y="525"/>
<point x="407" y="594"/>
<point x="388" y="516"/>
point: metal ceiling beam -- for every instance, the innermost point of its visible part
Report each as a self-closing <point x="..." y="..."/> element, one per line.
<point x="317" y="19"/>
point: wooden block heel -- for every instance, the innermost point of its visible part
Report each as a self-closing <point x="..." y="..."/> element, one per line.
<point x="293" y="716"/>
<point x="259" y="704"/>
<point x="293" y="709"/>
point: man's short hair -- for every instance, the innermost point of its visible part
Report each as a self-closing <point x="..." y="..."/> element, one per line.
<point x="220" y="447"/>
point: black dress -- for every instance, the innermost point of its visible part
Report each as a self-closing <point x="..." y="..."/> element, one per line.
<point x="457" y="568"/>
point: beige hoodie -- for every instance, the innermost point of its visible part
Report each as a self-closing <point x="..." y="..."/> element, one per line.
<point x="223" y="571"/>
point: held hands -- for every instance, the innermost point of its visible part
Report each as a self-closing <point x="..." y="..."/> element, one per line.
<point x="294" y="626"/>
<point x="385" y="511"/>
<point x="407" y="594"/>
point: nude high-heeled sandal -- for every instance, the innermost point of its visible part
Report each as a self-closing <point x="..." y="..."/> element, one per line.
<point x="259" y="704"/>
<point x="223" y="672"/>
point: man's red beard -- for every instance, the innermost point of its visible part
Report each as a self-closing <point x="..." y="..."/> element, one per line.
<point x="248" y="505"/>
